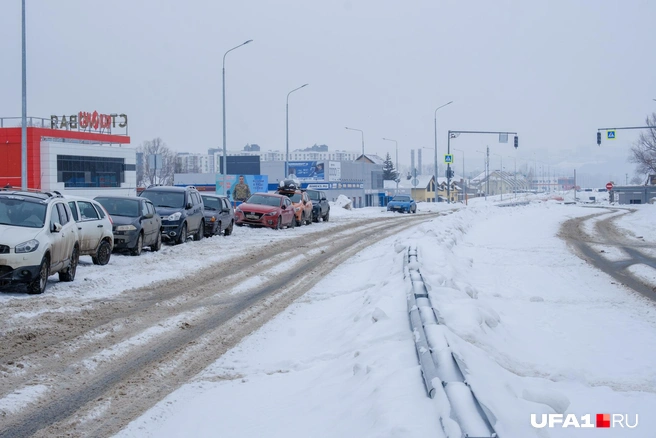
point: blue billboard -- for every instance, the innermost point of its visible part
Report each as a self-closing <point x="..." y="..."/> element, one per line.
<point x="307" y="170"/>
<point x="256" y="183"/>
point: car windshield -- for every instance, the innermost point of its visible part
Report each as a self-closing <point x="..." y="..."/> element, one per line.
<point x="401" y="198"/>
<point x="21" y="212"/>
<point x="211" y="203"/>
<point x="120" y="207"/>
<point x="165" y="199"/>
<point x="264" y="200"/>
<point x="313" y="195"/>
<point x="294" y="197"/>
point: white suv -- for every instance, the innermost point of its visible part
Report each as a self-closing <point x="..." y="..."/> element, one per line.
<point x="38" y="237"/>
<point x="94" y="227"/>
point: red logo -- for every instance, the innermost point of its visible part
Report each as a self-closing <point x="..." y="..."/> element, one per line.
<point x="603" y="420"/>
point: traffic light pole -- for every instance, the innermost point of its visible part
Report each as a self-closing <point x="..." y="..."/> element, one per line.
<point x="619" y="129"/>
<point x="448" y="143"/>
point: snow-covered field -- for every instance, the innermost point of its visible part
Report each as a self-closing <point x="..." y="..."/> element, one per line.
<point x="537" y="329"/>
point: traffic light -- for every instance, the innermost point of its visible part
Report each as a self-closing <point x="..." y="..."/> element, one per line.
<point x="516" y="142"/>
<point x="598" y="138"/>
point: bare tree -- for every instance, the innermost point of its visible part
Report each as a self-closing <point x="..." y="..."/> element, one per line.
<point x="149" y="174"/>
<point x="643" y="152"/>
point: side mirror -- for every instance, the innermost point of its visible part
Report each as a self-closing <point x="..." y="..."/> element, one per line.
<point x="323" y="198"/>
<point x="284" y="207"/>
<point x="56" y="227"/>
<point x="304" y="202"/>
<point x="189" y="205"/>
<point x="148" y="216"/>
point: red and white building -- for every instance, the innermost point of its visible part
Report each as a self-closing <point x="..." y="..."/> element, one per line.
<point x="76" y="155"/>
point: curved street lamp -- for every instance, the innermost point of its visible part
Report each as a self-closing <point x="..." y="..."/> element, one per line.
<point x="225" y="163"/>
<point x="361" y="132"/>
<point x="435" y="119"/>
<point x="287" y="130"/>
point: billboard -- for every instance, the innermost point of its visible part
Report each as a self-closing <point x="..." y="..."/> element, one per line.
<point x="307" y="170"/>
<point x="256" y="183"/>
<point x="334" y="171"/>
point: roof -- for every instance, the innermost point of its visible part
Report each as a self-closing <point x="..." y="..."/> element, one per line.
<point x="372" y="158"/>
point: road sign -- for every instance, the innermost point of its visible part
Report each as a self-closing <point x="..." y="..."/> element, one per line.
<point x="448" y="158"/>
<point x="609" y="186"/>
<point x="415" y="182"/>
<point x="610" y="135"/>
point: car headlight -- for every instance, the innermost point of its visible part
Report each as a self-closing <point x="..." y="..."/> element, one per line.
<point x="213" y="219"/>
<point x="174" y="217"/>
<point x="126" y="228"/>
<point x="29" y="246"/>
<point x="273" y="213"/>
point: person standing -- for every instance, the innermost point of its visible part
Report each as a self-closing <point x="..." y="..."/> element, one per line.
<point x="241" y="192"/>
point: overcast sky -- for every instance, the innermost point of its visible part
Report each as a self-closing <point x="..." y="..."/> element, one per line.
<point x="554" y="71"/>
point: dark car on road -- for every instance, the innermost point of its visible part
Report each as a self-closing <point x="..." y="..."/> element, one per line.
<point x="136" y="223"/>
<point x="266" y="210"/>
<point x="320" y="205"/>
<point x="219" y="215"/>
<point x="181" y="209"/>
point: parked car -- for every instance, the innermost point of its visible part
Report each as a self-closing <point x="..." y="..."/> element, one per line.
<point x="136" y="223"/>
<point x="320" y="205"/>
<point x="38" y="238"/>
<point x="301" y="204"/>
<point x="94" y="228"/>
<point x="266" y="210"/>
<point x="402" y="204"/>
<point x="181" y="209"/>
<point x="219" y="215"/>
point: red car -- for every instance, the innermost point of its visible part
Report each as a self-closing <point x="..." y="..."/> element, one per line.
<point x="266" y="210"/>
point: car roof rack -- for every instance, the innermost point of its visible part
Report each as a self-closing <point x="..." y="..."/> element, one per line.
<point x="53" y="194"/>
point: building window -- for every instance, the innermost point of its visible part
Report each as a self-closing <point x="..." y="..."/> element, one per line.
<point x="79" y="171"/>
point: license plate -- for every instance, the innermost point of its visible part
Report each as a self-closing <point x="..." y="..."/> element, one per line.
<point x="251" y="216"/>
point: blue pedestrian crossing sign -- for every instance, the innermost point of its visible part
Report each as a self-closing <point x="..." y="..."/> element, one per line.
<point x="448" y="158"/>
<point x="610" y="135"/>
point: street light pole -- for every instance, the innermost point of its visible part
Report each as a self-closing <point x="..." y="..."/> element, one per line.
<point x="287" y="130"/>
<point x="361" y="132"/>
<point x="397" y="162"/>
<point x="435" y="163"/>
<point x="225" y="162"/>
<point x="363" y="164"/>
<point x="464" y="184"/>
<point x="24" y="107"/>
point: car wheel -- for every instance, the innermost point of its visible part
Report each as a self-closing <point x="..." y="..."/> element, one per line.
<point x="38" y="286"/>
<point x="308" y="219"/>
<point x="299" y="222"/>
<point x="414" y="210"/>
<point x="327" y="216"/>
<point x="315" y="218"/>
<point x="279" y="224"/>
<point x="138" y="247"/>
<point x="103" y="254"/>
<point x="239" y="224"/>
<point x="158" y="243"/>
<point x="228" y="231"/>
<point x="182" y="238"/>
<point x="293" y="223"/>
<point x="69" y="274"/>
<point x="201" y="230"/>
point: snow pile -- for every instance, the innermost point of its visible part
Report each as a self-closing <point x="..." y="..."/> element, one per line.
<point x="342" y="201"/>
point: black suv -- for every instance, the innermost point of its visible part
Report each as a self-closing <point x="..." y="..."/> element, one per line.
<point x="181" y="209"/>
<point x="320" y="206"/>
